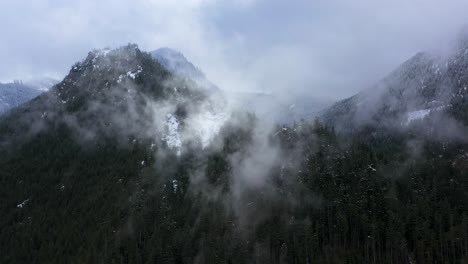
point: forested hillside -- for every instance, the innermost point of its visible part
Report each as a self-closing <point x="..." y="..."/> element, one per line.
<point x="112" y="166"/>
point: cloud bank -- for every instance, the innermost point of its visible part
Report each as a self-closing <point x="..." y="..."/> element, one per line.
<point x="330" y="49"/>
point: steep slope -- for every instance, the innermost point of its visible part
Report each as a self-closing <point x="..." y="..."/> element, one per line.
<point x="176" y="63"/>
<point x="118" y="91"/>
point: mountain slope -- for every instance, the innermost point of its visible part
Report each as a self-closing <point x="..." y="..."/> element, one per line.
<point x="176" y="63"/>
<point x="112" y="166"/>
<point x="118" y="91"/>
<point x="266" y="106"/>
<point x="424" y="84"/>
<point x="80" y="157"/>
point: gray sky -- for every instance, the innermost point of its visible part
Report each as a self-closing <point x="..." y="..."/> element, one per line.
<point x="325" y="48"/>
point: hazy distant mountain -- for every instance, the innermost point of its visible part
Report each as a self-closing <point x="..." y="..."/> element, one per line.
<point x="18" y="92"/>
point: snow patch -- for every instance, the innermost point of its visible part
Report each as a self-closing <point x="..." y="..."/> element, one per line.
<point x="420" y="114"/>
<point x="132" y="75"/>
<point x="172" y="138"/>
<point x="415" y="115"/>
<point x="21" y="205"/>
<point x="120" y="78"/>
<point x="207" y="125"/>
<point x="175" y="185"/>
<point x="105" y="52"/>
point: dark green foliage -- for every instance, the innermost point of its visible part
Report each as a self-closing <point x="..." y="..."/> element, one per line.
<point x="353" y="199"/>
<point x="373" y="195"/>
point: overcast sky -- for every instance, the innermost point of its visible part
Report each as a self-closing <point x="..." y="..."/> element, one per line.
<point x="325" y="48"/>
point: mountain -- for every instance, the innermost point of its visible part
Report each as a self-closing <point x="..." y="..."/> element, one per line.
<point x="113" y="91"/>
<point x="176" y="63"/>
<point x="124" y="161"/>
<point x="424" y="85"/>
<point x="267" y="106"/>
<point x="16" y="93"/>
<point x="84" y="153"/>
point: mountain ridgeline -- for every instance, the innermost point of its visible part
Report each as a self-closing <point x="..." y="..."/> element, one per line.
<point x="425" y="84"/>
<point x="176" y="62"/>
<point x="127" y="161"/>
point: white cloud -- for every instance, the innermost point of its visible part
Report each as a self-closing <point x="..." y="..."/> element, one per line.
<point x="328" y="48"/>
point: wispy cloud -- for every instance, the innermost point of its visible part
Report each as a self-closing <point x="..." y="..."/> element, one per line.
<point x="327" y="48"/>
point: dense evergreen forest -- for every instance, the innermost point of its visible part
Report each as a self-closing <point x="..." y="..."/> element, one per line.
<point x="341" y="200"/>
<point x="375" y="194"/>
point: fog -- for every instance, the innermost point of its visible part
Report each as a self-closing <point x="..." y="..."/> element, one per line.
<point x="328" y="49"/>
<point x="202" y="166"/>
